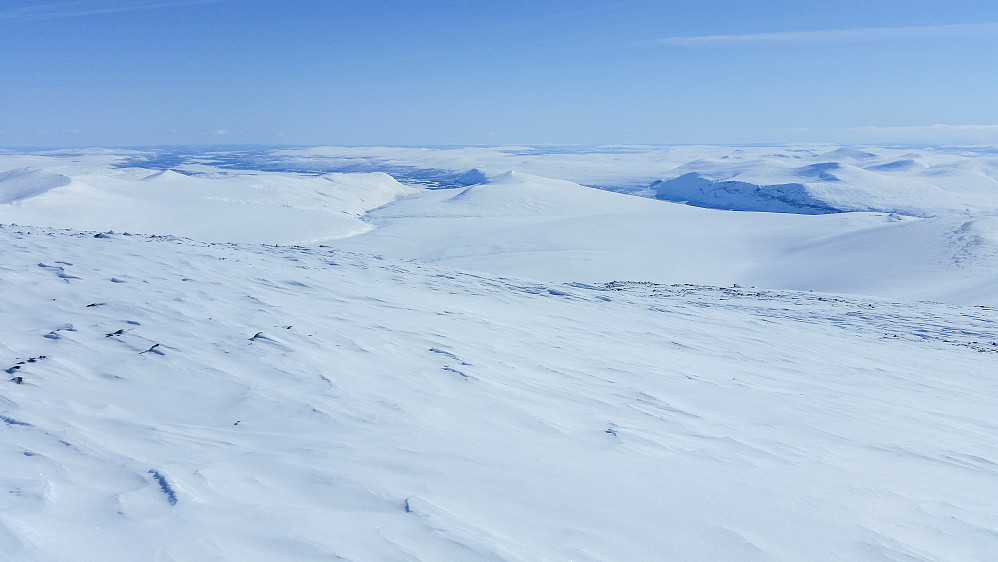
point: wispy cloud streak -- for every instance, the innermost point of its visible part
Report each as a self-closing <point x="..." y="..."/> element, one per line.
<point x="928" y="135"/>
<point x="833" y="37"/>
<point x="55" y="10"/>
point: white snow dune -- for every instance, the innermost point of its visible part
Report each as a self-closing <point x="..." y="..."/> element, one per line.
<point x="174" y="400"/>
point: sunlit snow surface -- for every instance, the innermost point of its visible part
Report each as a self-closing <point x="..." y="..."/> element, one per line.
<point x="929" y="230"/>
<point x="472" y="373"/>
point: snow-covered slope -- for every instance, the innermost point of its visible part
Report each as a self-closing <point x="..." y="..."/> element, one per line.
<point x="173" y="400"/>
<point x="259" y="207"/>
<point x="922" y="182"/>
<point x="912" y="184"/>
<point x="555" y="230"/>
<point x="454" y="374"/>
<point x="22" y="183"/>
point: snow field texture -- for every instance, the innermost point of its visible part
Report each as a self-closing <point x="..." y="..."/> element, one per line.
<point x="226" y="401"/>
<point x="304" y="364"/>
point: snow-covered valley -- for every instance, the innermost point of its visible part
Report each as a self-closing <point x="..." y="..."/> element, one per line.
<point x="211" y="363"/>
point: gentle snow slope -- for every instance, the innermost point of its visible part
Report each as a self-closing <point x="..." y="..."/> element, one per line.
<point x="257" y="207"/>
<point x="22" y="183"/>
<point x="185" y="401"/>
<point x="560" y="231"/>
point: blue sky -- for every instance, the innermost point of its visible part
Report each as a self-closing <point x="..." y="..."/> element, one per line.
<point x="160" y="72"/>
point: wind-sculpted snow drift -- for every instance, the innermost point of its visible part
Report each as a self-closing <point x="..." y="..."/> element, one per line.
<point x="235" y="402"/>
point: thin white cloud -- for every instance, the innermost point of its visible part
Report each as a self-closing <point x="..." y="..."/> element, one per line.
<point x="71" y="9"/>
<point x="836" y="36"/>
<point x="992" y="129"/>
<point x="926" y="134"/>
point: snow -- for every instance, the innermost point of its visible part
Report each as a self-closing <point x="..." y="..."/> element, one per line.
<point x="693" y="189"/>
<point x="523" y="368"/>
<point x="301" y="398"/>
<point x="471" y="177"/>
<point x="537" y="228"/>
<point x="217" y="208"/>
<point x="22" y="183"/>
<point x="947" y="180"/>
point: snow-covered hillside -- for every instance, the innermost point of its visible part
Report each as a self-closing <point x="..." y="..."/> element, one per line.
<point x="556" y="230"/>
<point x="807" y="179"/>
<point x="916" y="183"/>
<point x="259" y="207"/>
<point x="176" y="400"/>
<point x="23" y="183"/>
<point x="546" y="229"/>
<point x="291" y="355"/>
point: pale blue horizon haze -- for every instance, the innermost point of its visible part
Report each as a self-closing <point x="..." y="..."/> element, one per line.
<point x="121" y="73"/>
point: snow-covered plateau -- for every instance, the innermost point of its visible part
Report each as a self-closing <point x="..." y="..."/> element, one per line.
<point x="472" y="354"/>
